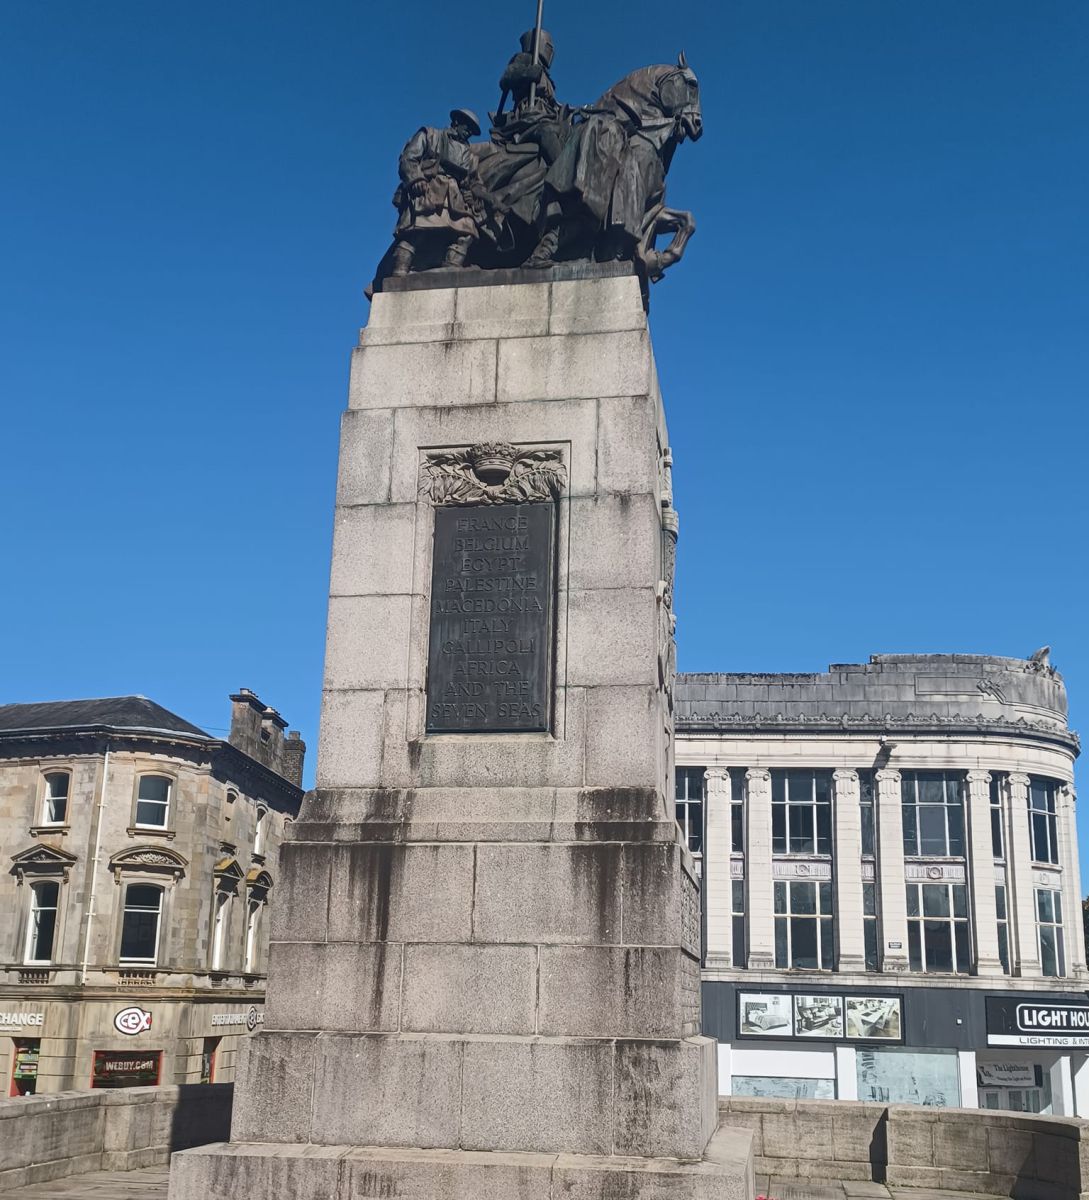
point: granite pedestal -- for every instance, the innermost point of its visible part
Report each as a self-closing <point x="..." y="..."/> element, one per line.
<point x="484" y="975"/>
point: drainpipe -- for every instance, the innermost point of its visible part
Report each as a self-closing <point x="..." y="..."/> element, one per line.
<point x="94" y="867"/>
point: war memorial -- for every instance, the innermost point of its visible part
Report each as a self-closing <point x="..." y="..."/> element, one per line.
<point x="484" y="979"/>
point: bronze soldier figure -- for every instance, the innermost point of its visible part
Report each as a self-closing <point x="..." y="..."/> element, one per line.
<point x="435" y="199"/>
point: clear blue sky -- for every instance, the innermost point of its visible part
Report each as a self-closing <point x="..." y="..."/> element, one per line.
<point x="875" y="355"/>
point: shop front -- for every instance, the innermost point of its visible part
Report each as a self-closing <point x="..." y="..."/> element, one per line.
<point x="932" y="1046"/>
<point x="22" y="1030"/>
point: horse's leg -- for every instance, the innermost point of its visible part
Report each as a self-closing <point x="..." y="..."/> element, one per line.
<point x="662" y="220"/>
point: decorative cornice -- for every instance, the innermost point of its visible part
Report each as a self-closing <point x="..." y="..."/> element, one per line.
<point x="44" y="861"/>
<point x="493" y="473"/>
<point x="734" y="722"/>
<point x="149" y="858"/>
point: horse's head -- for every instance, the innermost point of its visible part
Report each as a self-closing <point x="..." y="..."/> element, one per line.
<point x="679" y="92"/>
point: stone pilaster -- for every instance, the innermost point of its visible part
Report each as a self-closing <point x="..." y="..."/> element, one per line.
<point x="1073" y="937"/>
<point x="850" y="941"/>
<point x="758" y="880"/>
<point x="984" y="911"/>
<point x="716" y="869"/>
<point x="1020" y="896"/>
<point x="890" y="872"/>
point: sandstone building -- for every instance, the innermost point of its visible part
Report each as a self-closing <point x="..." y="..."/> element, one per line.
<point x="891" y="887"/>
<point x="140" y="866"/>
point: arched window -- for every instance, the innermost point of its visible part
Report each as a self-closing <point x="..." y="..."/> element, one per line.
<point x="42" y="925"/>
<point x="55" y="801"/>
<point x="254" y="908"/>
<point x="221" y="919"/>
<point x="260" y="833"/>
<point x="152" y="801"/>
<point x="140" y="924"/>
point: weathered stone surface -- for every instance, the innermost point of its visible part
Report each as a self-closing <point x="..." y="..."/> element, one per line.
<point x="366" y="641"/>
<point x="470" y="989"/>
<point x="616" y="542"/>
<point x="350" y="739"/>
<point x="596" y="306"/>
<point x="582" y="365"/>
<point x="624" y="737"/>
<point x="352" y="1173"/>
<point x="278" y="1110"/>
<point x="503" y="312"/>
<point x="548" y="893"/>
<point x="298" y="1172"/>
<point x="626" y="426"/>
<point x="662" y="1104"/>
<point x="366" y="457"/>
<point x="401" y="893"/>
<point x="386" y="1090"/>
<point x="335" y="986"/>
<point x="604" y="991"/>
<point x="616" y="632"/>
<point x="538" y="1095"/>
<point x="372" y="550"/>
<point x="430" y="373"/>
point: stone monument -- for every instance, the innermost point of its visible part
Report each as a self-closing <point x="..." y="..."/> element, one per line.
<point x="484" y="974"/>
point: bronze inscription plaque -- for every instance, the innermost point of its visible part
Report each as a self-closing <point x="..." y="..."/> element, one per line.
<point x="490" y="658"/>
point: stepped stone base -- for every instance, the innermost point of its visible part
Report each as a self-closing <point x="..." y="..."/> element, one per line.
<point x="270" y="1171"/>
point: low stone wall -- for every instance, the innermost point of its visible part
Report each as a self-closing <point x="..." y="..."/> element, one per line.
<point x="958" y="1149"/>
<point x="69" y="1133"/>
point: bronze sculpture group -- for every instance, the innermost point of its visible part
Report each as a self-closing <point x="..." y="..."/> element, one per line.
<point x="553" y="183"/>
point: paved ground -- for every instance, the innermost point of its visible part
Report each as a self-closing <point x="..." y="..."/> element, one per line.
<point x="150" y="1184"/>
<point x="800" y="1189"/>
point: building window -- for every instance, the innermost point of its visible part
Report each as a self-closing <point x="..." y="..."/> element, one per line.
<point x="737" y="906"/>
<point x="938" y="927"/>
<point x="869" y="925"/>
<point x="737" y="810"/>
<point x="55" y="808"/>
<point x="42" y="925"/>
<point x="1042" y="824"/>
<point x="260" y="832"/>
<point x="866" y="806"/>
<point x="1049" y="922"/>
<point x="690" y="806"/>
<point x="140" y="923"/>
<point x="208" y="1060"/>
<point x="801" y="812"/>
<point x="221" y="920"/>
<point x="152" y="801"/>
<point x="1003" y="926"/>
<point x="254" y="909"/>
<point x="803" y="925"/>
<point x="998" y="842"/>
<point x="933" y="811"/>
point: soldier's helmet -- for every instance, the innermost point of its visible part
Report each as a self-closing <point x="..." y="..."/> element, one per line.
<point x="546" y="50"/>
<point x="467" y="117"/>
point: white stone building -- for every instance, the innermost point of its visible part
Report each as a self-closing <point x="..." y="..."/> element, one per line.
<point x="892" y="901"/>
<point x="141" y="859"/>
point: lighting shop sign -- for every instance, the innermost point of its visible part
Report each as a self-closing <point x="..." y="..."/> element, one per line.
<point x="1012" y="1021"/>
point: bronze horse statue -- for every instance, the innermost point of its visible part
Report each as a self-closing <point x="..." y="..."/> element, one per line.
<point x="558" y="184"/>
<point x="607" y="186"/>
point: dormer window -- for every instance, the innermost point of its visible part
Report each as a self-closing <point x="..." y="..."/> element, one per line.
<point x="55" y="799"/>
<point x="152" y="801"/>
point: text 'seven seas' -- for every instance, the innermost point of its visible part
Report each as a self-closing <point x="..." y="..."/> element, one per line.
<point x="489" y="666"/>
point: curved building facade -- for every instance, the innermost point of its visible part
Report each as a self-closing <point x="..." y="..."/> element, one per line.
<point x="892" y="901"/>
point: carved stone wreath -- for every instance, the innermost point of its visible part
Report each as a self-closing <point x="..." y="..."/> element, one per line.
<point x="493" y="473"/>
